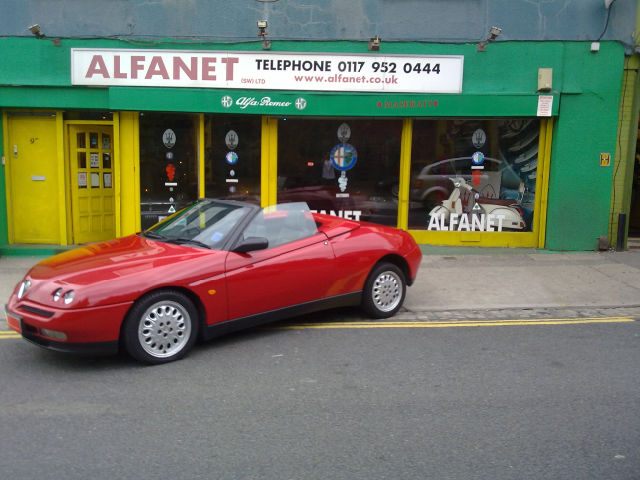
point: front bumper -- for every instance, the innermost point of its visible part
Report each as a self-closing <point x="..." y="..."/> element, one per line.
<point x="93" y="331"/>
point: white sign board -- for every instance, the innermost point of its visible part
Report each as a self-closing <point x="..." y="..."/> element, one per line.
<point x="545" y="105"/>
<point x="268" y="71"/>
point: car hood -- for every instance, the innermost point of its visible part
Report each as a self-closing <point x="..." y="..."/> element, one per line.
<point x="121" y="269"/>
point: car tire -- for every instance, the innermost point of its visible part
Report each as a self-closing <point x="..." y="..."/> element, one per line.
<point x="384" y="291"/>
<point x="161" y="327"/>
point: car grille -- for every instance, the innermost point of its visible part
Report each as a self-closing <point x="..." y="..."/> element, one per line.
<point x="37" y="311"/>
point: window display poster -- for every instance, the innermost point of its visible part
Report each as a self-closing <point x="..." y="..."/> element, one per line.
<point x="95" y="180"/>
<point x="95" y="160"/>
<point x="82" y="180"/>
<point x="106" y="180"/>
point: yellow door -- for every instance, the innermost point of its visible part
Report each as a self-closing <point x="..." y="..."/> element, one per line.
<point x="33" y="178"/>
<point x="91" y="183"/>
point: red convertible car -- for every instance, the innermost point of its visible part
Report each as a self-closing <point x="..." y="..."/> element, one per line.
<point x="212" y="268"/>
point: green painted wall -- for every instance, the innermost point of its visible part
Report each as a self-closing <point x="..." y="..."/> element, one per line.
<point x="499" y="82"/>
<point x="579" y="188"/>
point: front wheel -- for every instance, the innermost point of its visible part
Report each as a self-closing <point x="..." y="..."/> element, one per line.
<point x="161" y="327"/>
<point x="384" y="291"/>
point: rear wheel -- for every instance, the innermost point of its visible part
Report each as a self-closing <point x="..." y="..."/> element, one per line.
<point x="161" y="327"/>
<point x="384" y="291"/>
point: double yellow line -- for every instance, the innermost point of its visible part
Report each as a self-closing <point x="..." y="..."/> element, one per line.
<point x="8" y="334"/>
<point x="4" y="334"/>
<point x="456" y="323"/>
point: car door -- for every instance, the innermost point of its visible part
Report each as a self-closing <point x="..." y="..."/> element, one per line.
<point x="296" y="267"/>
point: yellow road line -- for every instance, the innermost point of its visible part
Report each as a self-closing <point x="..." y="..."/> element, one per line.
<point x="9" y="334"/>
<point x="457" y="323"/>
<point x="427" y="324"/>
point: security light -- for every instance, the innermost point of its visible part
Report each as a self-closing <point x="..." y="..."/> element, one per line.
<point x="374" y="43"/>
<point x="493" y="34"/>
<point x="35" y="29"/>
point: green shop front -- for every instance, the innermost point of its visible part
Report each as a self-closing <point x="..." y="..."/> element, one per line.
<point x="457" y="146"/>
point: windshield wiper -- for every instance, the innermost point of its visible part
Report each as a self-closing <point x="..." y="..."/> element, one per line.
<point x="181" y="240"/>
<point x="150" y="234"/>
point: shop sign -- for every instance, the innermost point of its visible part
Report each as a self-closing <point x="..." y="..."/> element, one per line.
<point x="346" y="214"/>
<point x="269" y="71"/>
<point x="545" y="105"/>
<point x="169" y="138"/>
<point x="467" y="223"/>
<point x="231" y="140"/>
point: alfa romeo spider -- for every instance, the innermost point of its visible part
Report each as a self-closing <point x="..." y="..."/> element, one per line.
<point x="212" y="268"/>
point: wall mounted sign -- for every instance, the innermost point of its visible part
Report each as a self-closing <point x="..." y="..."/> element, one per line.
<point x="170" y="170"/>
<point x="231" y="140"/>
<point x="169" y="138"/>
<point x="479" y="138"/>
<point x="343" y="156"/>
<point x="231" y="158"/>
<point x="477" y="159"/>
<point x="270" y="71"/>
<point x="344" y="133"/>
<point x="545" y="105"/>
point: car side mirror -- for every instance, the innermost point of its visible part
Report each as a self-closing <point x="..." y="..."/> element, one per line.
<point x="251" y="244"/>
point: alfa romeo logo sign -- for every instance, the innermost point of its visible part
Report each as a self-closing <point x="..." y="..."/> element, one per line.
<point x="343" y="156"/>
<point x="301" y="103"/>
<point x="226" y="101"/>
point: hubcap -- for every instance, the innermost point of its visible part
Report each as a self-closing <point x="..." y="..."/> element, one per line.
<point x="164" y="329"/>
<point x="387" y="291"/>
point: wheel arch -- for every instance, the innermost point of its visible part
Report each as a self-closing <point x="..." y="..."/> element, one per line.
<point x="167" y="288"/>
<point x="399" y="262"/>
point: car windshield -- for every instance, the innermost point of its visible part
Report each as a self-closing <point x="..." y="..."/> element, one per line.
<point x="206" y="223"/>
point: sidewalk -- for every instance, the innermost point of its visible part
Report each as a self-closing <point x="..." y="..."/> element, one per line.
<point x="459" y="278"/>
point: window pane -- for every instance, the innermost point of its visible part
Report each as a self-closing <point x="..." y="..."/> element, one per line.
<point x="168" y="164"/>
<point x="343" y="167"/>
<point x="473" y="174"/>
<point x="232" y="157"/>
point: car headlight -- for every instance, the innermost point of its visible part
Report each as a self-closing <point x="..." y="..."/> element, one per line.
<point x="57" y="294"/>
<point x="24" y="286"/>
<point x="68" y="297"/>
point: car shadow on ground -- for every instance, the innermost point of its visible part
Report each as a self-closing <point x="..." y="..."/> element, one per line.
<point x="46" y="360"/>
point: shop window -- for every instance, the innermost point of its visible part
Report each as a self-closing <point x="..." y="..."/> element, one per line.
<point x="168" y="164"/>
<point x="232" y="157"/>
<point x="473" y="174"/>
<point x="343" y="167"/>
